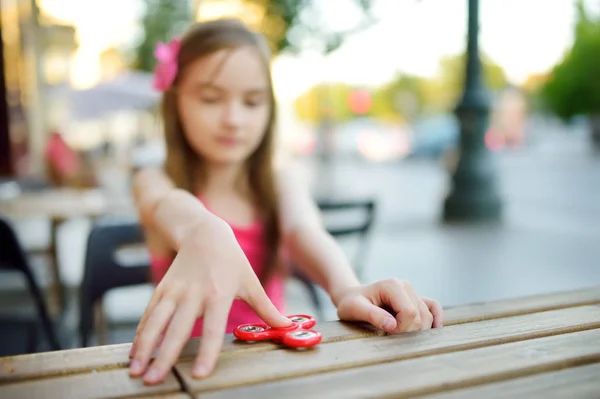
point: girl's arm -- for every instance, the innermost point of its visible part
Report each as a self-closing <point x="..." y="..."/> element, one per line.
<point x="165" y="212"/>
<point x="315" y="252"/>
<point x="310" y="246"/>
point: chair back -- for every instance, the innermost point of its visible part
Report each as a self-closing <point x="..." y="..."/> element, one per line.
<point x="13" y="258"/>
<point x="103" y="271"/>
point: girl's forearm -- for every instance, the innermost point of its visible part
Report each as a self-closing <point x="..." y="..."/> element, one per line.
<point x="171" y="212"/>
<point x="317" y="254"/>
<point x="179" y="215"/>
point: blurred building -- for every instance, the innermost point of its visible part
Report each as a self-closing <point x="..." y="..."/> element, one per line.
<point x="36" y="53"/>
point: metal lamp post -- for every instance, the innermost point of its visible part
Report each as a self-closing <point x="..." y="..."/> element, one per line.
<point x="474" y="194"/>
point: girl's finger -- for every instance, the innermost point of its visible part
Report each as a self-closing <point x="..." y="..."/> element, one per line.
<point x="363" y="310"/>
<point x="148" y="337"/>
<point x="177" y="335"/>
<point x="436" y="310"/>
<point x="401" y="302"/>
<point x="255" y="296"/>
<point x="156" y="296"/>
<point x="213" y="332"/>
<point x="425" y="315"/>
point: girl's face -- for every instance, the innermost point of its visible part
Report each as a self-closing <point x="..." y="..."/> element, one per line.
<point x="224" y="105"/>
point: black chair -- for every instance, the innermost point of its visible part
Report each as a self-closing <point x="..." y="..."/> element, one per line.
<point x="13" y="258"/>
<point x="360" y="229"/>
<point x="102" y="270"/>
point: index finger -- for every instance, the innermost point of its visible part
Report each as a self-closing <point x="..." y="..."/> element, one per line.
<point x="213" y="333"/>
<point x="255" y="296"/>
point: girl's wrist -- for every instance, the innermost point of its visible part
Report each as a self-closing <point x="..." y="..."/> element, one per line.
<point x="337" y="291"/>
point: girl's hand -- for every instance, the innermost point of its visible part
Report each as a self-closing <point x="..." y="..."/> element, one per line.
<point x="208" y="273"/>
<point x="367" y="303"/>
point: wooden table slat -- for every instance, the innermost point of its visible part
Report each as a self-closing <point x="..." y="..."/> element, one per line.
<point x="523" y="305"/>
<point x="63" y="362"/>
<point x="102" y="384"/>
<point x="580" y="382"/>
<point x="249" y="368"/>
<point x="426" y="375"/>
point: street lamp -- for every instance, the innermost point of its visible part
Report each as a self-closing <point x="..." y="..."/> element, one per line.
<point x="474" y="194"/>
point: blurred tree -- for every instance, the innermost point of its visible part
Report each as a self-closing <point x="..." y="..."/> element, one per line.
<point x="531" y="88"/>
<point x="534" y="82"/>
<point x="335" y="106"/>
<point x="290" y="25"/>
<point x="451" y="76"/>
<point x="162" y="20"/>
<point x="409" y="95"/>
<point x="402" y="97"/>
<point x="305" y="24"/>
<point x="573" y="87"/>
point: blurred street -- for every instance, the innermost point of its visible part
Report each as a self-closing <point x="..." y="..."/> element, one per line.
<point x="548" y="240"/>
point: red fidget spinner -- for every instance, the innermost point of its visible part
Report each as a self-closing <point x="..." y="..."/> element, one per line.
<point x="298" y="335"/>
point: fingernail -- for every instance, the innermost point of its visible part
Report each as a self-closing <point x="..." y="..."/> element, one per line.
<point x="152" y="375"/>
<point x="389" y="324"/>
<point x="135" y="367"/>
<point x="200" y="370"/>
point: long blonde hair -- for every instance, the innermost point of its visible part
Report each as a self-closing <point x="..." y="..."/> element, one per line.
<point x="185" y="167"/>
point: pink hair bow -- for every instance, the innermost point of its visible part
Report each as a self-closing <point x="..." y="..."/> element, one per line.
<point x="166" y="68"/>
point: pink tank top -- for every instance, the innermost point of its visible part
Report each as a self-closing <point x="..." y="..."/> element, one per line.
<point x="251" y="240"/>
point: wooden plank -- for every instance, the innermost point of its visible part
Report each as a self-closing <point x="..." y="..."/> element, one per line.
<point x="518" y="306"/>
<point x="180" y="395"/>
<point x="116" y="356"/>
<point x="248" y="368"/>
<point x="19" y="368"/>
<point x="103" y="384"/>
<point x="574" y="383"/>
<point x="416" y="377"/>
<point x="45" y="364"/>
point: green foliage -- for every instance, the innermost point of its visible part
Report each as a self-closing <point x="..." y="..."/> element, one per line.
<point x="451" y="79"/>
<point x="404" y="97"/>
<point x="288" y="25"/>
<point x="330" y="99"/>
<point x="574" y="84"/>
<point x="410" y="95"/>
<point x="163" y="20"/>
<point x="303" y="21"/>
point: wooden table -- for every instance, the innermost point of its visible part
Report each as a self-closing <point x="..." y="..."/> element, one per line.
<point x="65" y="203"/>
<point x="58" y="205"/>
<point x="544" y="346"/>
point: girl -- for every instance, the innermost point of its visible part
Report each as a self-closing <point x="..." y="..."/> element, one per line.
<point x="218" y="214"/>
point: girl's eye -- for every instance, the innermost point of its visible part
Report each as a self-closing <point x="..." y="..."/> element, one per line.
<point x="254" y="102"/>
<point x="209" y="99"/>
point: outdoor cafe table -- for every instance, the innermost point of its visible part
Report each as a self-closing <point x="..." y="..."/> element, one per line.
<point x="60" y="204"/>
<point x="541" y="346"/>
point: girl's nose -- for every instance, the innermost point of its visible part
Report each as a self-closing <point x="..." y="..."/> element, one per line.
<point x="234" y="114"/>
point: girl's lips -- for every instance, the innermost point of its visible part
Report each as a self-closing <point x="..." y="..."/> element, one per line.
<point x="228" y="141"/>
